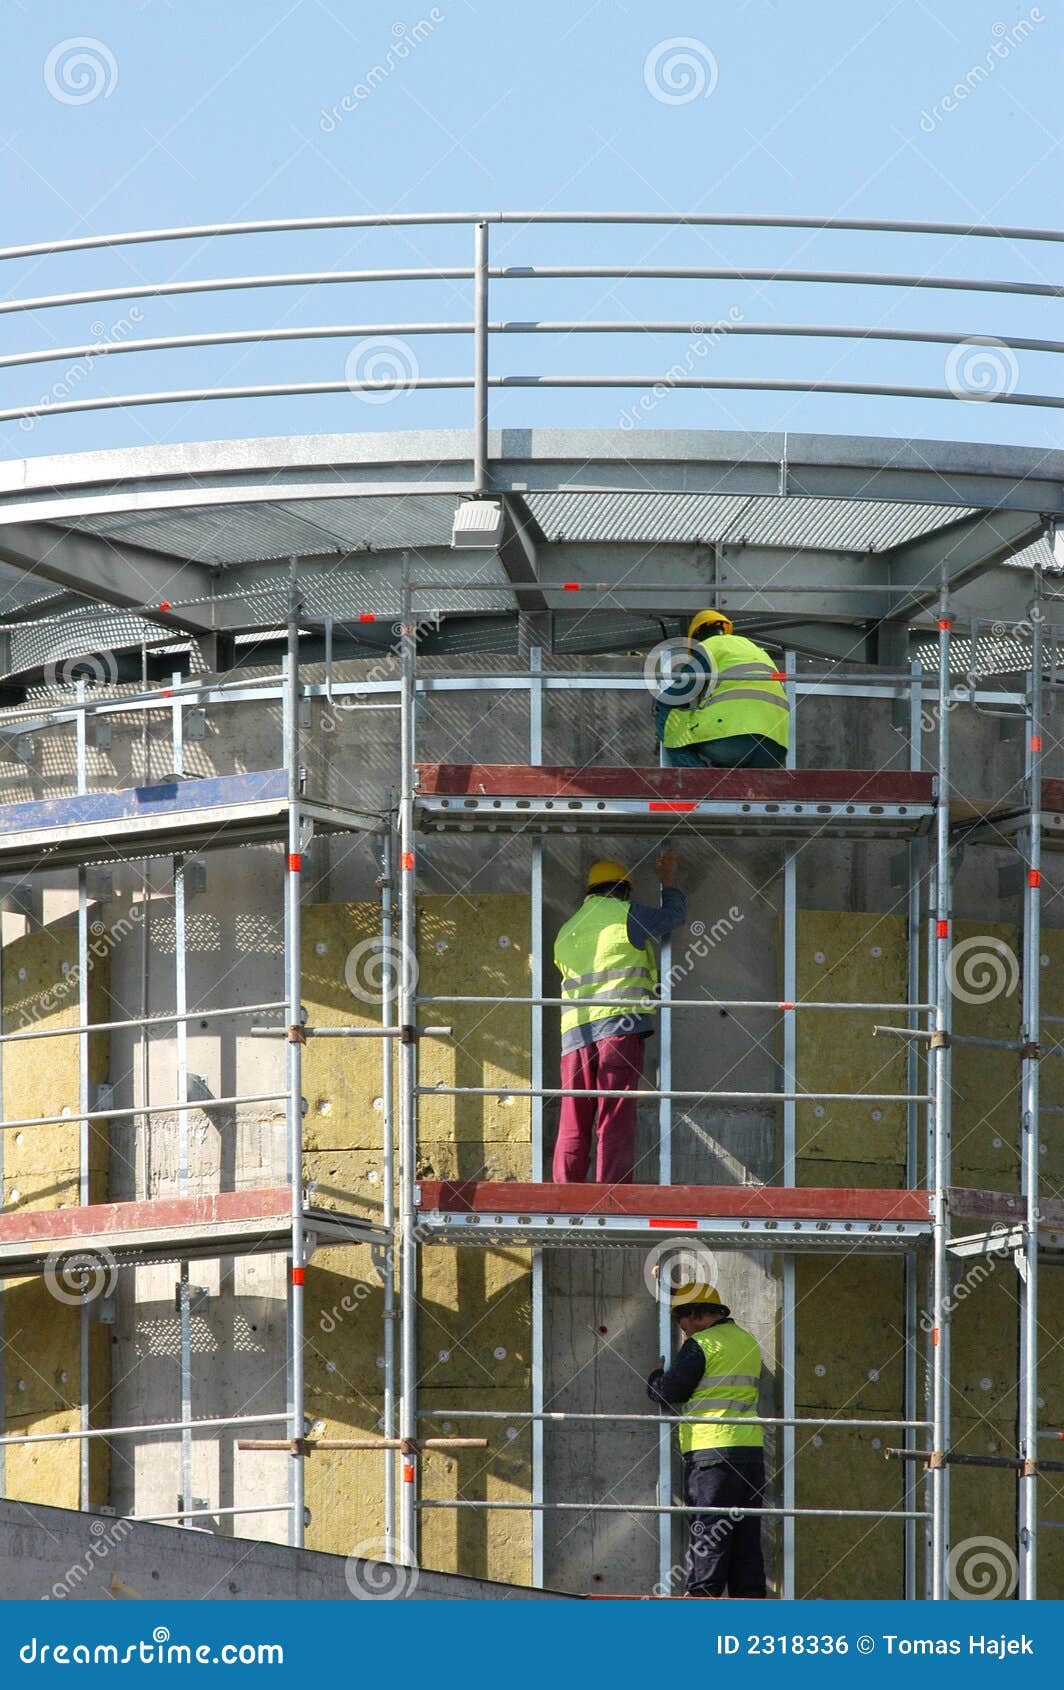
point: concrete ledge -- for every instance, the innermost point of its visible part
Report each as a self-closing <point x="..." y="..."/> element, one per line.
<point x="60" y="1555"/>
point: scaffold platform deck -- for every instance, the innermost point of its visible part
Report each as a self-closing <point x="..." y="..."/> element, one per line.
<point x="170" y="817"/>
<point x="159" y="1229"/>
<point x="851" y="803"/>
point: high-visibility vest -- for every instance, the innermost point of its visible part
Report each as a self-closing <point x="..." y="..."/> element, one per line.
<point x="744" y="700"/>
<point x="729" y="1386"/>
<point x="593" y="955"/>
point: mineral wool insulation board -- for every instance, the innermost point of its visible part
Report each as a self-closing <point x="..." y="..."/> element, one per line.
<point x="473" y="1306"/>
<point x="850" y="1311"/>
<point x="41" y="1169"/>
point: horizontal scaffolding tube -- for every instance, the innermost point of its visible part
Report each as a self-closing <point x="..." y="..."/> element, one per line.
<point x="680" y="1003"/>
<point x="682" y="1096"/>
<point x="174" y="1108"/>
<point x="306" y="1446"/>
<point x="1014" y="1462"/>
<point x="686" y="1508"/>
<point x="353" y="1032"/>
<point x="207" y="1513"/>
<point x="158" y="1426"/>
<point x="673" y="1419"/>
<point x="138" y="1021"/>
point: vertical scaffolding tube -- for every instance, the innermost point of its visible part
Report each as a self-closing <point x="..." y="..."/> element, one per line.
<point x="539" y="1359"/>
<point x="404" y="964"/>
<point x="940" y="1132"/>
<point x="1029" y="1125"/>
<point x="789" y="1177"/>
<point x="184" y="1291"/>
<point x="480" y="358"/>
<point x="388" y="1182"/>
<point x="911" y="1476"/>
<point x="294" y="1065"/>
<point x="84" y="1104"/>
<point x="665" y="1340"/>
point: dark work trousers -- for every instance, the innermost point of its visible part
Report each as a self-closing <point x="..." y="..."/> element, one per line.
<point x="738" y="751"/>
<point x="724" y="1550"/>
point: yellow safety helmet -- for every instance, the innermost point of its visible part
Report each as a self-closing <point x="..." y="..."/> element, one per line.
<point x="605" y="873"/>
<point x="707" y="619"/>
<point x="693" y="1296"/>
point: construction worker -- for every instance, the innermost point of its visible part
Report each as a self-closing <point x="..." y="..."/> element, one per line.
<point x="606" y="951"/>
<point x="716" y="1374"/>
<point x="722" y="709"/>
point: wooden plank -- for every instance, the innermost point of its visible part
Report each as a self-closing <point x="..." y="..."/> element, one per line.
<point x="180" y="1213"/>
<point x="675" y="1202"/>
<point x="828" y="786"/>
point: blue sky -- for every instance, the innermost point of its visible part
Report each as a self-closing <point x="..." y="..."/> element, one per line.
<point x="203" y="113"/>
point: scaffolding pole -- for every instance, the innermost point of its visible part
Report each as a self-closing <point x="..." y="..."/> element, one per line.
<point x="387" y="868"/>
<point x="911" y="1284"/>
<point x="539" y="1261"/>
<point x="939" y="1166"/>
<point x="408" y="1521"/>
<point x="1027" y="1483"/>
<point x="294" y="1066"/>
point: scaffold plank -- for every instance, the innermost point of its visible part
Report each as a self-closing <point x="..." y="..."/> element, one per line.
<point x="167" y="1228"/>
<point x="486" y="796"/>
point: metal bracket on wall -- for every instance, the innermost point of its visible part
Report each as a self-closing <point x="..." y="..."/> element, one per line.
<point x="195" y="724"/>
<point x="197" y="1296"/>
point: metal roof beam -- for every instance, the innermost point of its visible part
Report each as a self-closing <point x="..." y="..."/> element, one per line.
<point x="964" y="550"/>
<point x="110" y="572"/>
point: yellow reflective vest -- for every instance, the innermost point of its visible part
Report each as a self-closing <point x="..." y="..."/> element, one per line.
<point x="595" y="959"/>
<point x="744" y="699"/>
<point x="728" y="1387"/>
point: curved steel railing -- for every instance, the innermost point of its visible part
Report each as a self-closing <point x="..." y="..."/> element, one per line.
<point x="979" y="366"/>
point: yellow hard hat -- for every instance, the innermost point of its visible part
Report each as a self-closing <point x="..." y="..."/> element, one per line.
<point x="691" y="1296"/>
<point x="605" y="873"/>
<point x="707" y="619"/>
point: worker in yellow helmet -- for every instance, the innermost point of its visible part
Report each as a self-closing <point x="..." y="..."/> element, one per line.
<point x="715" y="1376"/>
<point x="722" y="708"/>
<point x="605" y="956"/>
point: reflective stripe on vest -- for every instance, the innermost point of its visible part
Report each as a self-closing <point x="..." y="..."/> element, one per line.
<point x="596" y="962"/>
<point x="729" y="707"/>
<point x="729" y="1387"/>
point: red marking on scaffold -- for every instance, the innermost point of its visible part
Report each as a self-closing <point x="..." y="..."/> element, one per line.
<point x="1034" y="877"/>
<point x="570" y="586"/>
<point x="686" y="1226"/>
<point x="778" y="675"/>
<point x="934" y="1336"/>
<point x="299" y="1276"/>
<point x="673" y="804"/>
<point x="945" y="623"/>
<point x="941" y="929"/>
<point x="1036" y="742"/>
<point x="786" y="1006"/>
<point x="408" y="1473"/>
<point x="295" y="863"/>
<point x="165" y="604"/>
<point x="166" y="692"/>
<point x="367" y="616"/>
<point x="406" y="861"/>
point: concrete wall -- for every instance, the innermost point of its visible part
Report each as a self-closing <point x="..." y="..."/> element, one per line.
<point x="602" y="1331"/>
